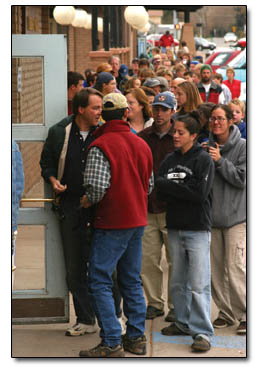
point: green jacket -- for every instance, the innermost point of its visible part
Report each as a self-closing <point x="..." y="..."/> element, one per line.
<point x="53" y="155"/>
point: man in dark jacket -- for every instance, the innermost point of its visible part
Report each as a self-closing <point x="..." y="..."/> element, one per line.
<point x="62" y="163"/>
<point x="209" y="90"/>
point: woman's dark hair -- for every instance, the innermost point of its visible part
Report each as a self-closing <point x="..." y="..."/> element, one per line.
<point x="226" y="108"/>
<point x="81" y="99"/>
<point x="191" y="121"/>
<point x="206" y="109"/>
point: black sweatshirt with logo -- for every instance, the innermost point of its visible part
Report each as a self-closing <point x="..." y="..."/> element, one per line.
<point x="184" y="182"/>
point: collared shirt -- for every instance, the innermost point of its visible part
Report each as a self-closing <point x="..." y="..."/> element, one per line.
<point x="75" y="161"/>
<point x="97" y="176"/>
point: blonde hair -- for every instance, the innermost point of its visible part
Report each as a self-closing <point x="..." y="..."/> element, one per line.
<point x="104" y="67"/>
<point x="193" y="96"/>
<point x="230" y="69"/>
<point x="239" y="103"/>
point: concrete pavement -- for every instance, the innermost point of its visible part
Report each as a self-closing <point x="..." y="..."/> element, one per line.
<point x="50" y="340"/>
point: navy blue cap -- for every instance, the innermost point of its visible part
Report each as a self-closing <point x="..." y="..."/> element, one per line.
<point x="123" y="71"/>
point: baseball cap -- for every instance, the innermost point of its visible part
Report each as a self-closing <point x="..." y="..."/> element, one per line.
<point x="123" y="71"/>
<point x="163" y="83"/>
<point x="166" y="99"/>
<point x="151" y="82"/>
<point x="114" y="101"/>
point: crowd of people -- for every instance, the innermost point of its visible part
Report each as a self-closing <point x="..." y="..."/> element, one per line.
<point x="151" y="156"/>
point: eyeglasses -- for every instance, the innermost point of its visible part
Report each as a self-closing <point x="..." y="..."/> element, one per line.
<point x="219" y="119"/>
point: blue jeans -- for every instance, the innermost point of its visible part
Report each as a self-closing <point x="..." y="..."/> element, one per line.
<point x="121" y="250"/>
<point x="191" y="281"/>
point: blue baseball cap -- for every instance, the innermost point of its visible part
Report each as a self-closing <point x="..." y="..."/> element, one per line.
<point x="166" y="99"/>
<point x="123" y="71"/>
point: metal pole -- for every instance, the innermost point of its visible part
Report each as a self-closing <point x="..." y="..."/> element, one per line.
<point x="106" y="20"/>
<point x="95" y="41"/>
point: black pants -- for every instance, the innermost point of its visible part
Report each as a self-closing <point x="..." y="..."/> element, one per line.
<point x="76" y="247"/>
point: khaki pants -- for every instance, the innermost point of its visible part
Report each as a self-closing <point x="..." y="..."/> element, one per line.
<point x="155" y="236"/>
<point x="228" y="272"/>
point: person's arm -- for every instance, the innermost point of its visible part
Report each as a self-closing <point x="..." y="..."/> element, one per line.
<point x="233" y="173"/>
<point x="47" y="161"/>
<point x="97" y="177"/>
<point x="194" y="188"/>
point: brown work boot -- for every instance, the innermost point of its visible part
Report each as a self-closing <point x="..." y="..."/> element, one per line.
<point x="104" y="351"/>
<point x="137" y="346"/>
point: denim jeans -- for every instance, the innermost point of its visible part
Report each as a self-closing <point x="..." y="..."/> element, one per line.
<point x="121" y="249"/>
<point x="191" y="281"/>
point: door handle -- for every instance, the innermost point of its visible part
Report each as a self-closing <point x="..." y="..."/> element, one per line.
<point x="36" y="200"/>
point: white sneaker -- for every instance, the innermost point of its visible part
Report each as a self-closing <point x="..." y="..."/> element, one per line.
<point x="123" y="325"/>
<point x="81" y="329"/>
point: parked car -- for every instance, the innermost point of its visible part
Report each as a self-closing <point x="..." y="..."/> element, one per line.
<point x="154" y="40"/>
<point x="242" y="43"/>
<point x="239" y="66"/>
<point x="221" y="57"/>
<point x="201" y="43"/>
<point x="230" y="37"/>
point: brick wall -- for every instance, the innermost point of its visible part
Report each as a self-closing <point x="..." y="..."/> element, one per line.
<point x="214" y="17"/>
<point x="31" y="155"/>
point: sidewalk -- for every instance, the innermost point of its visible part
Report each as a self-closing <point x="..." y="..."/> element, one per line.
<point x="50" y="341"/>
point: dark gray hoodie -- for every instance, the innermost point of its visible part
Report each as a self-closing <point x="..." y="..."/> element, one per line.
<point x="229" y="188"/>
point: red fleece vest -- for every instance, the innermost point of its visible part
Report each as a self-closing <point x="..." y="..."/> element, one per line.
<point x="125" y="202"/>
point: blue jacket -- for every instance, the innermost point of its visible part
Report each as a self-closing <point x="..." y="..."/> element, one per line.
<point x="242" y="128"/>
<point x="17" y="183"/>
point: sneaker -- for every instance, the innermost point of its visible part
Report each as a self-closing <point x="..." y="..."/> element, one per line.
<point x="242" y="328"/>
<point x="220" y="323"/>
<point x="200" y="344"/>
<point x="137" y="346"/>
<point x="172" y="330"/>
<point x="104" y="351"/>
<point x="81" y="329"/>
<point x="170" y="316"/>
<point x="123" y="325"/>
<point x="153" y="312"/>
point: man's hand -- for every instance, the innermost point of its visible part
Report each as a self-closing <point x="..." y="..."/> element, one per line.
<point x="57" y="186"/>
<point x="84" y="202"/>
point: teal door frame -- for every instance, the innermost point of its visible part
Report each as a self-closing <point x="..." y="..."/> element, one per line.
<point x="51" y="304"/>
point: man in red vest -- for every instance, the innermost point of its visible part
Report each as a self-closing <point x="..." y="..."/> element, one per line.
<point x="208" y="89"/>
<point x="118" y="177"/>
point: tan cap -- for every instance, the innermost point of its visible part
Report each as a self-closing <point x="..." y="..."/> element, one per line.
<point x="114" y="101"/>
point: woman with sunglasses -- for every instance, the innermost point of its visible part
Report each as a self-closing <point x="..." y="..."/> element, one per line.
<point x="228" y="246"/>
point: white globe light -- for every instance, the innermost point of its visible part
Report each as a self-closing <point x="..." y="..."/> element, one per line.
<point x="136" y="16"/>
<point x="100" y="24"/>
<point x="146" y="28"/>
<point x="64" y="15"/>
<point x="88" y="24"/>
<point x="80" y="19"/>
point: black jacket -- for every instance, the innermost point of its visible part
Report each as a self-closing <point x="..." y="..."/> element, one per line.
<point x="185" y="182"/>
